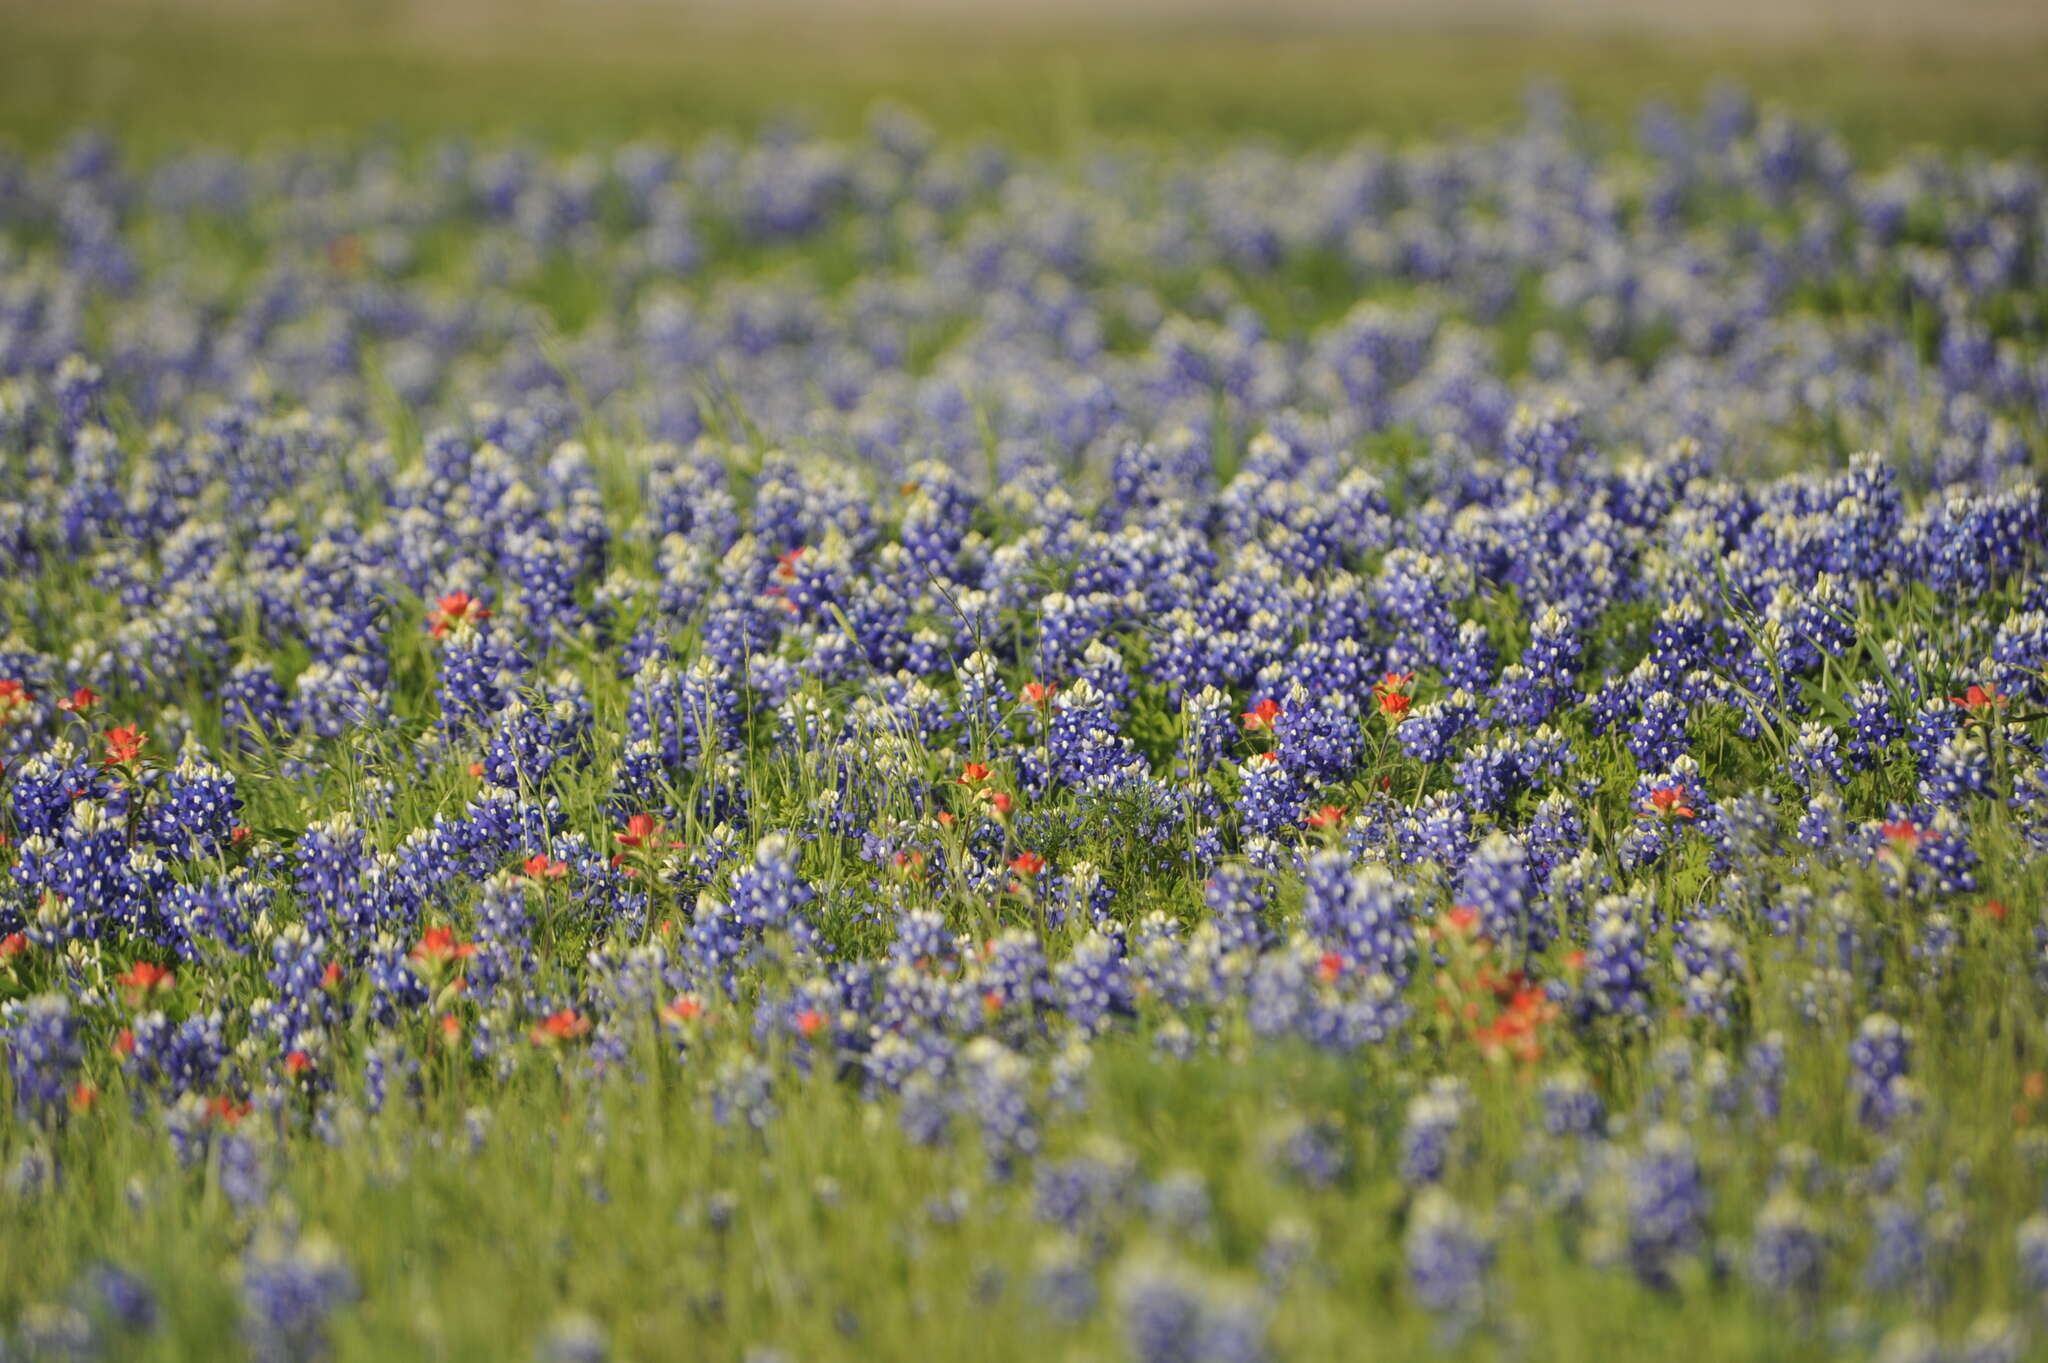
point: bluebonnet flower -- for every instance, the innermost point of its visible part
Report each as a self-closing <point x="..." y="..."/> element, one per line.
<point x="1430" y="1137"/>
<point x="1616" y="981"/>
<point x="1816" y="758"/>
<point x="1448" y="1258"/>
<point x="1766" y="1073"/>
<point x="175" y="1059"/>
<point x="1063" y="1282"/>
<point x="1430" y="730"/>
<point x="1787" y="1255"/>
<point x="243" y="1171"/>
<point x="1571" y="1106"/>
<point x="1313" y="1151"/>
<point x="1497" y="882"/>
<point x="1656" y="736"/>
<point x="1711" y="969"/>
<point x="45" y="1052"/>
<point x="1874" y="724"/>
<point x="1085" y="1195"/>
<point x="1093" y="984"/>
<point x="1899" y="1255"/>
<point x="1171" y="1316"/>
<point x="1667" y="1204"/>
<point x="743" y="1094"/>
<point x="290" y="1287"/>
<point x="1439" y="830"/>
<point x="127" y="1299"/>
<point x="1364" y="915"/>
<point x="1271" y="795"/>
<point x="2030" y="1241"/>
<point x="1879" y="1058"/>
<point x="1546" y="678"/>
<point x="994" y="1083"/>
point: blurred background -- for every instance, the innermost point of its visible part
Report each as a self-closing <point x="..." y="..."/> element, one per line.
<point x="1043" y="75"/>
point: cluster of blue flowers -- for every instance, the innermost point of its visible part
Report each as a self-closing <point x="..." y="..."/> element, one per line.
<point x="1615" y="655"/>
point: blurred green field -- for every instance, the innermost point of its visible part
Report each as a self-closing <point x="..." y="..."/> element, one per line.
<point x="160" y="78"/>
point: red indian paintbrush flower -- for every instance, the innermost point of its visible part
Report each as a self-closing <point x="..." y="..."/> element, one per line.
<point x="540" y="867"/>
<point x="1329" y="816"/>
<point x="1391" y="692"/>
<point x="683" y="1010"/>
<point x="565" y="1025"/>
<point x="1979" y="701"/>
<point x="437" y="946"/>
<point x="1668" y="802"/>
<point x="1262" y="715"/>
<point x="454" y="610"/>
<point x="124" y="745"/>
<point x="144" y="979"/>
<point x="1902" y="835"/>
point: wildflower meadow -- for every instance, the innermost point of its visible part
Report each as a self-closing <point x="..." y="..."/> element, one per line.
<point x="785" y="746"/>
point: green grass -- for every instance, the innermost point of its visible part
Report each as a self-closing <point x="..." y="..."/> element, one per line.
<point x="164" y="81"/>
<point x="845" y="1240"/>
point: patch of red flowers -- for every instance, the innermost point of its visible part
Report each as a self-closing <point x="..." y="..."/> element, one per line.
<point x="454" y="610"/>
<point x="1517" y="1029"/>
<point x="1391" y="691"/>
<point x="124" y="746"/>
<point x="1329" y="816"/>
<point x="558" y="1027"/>
<point x="1262" y="715"/>
<point x="144" y="979"/>
<point x="437" y="947"/>
<point x="683" y="1010"/>
<point x="539" y="867"/>
<point x="1979" y="701"/>
<point x="1504" y="1014"/>
<point x="1902" y="835"/>
<point x="639" y="838"/>
<point x="1669" y="802"/>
